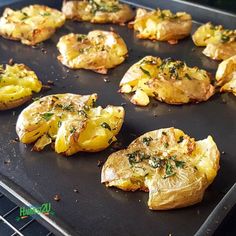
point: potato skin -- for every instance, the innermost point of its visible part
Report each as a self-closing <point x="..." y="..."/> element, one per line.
<point x="83" y="11"/>
<point x="193" y="165"/>
<point x="97" y="51"/>
<point x="71" y="122"/>
<point x="30" y="25"/>
<point x="226" y="75"/>
<point x="17" y="84"/>
<point x="14" y="103"/>
<point x="162" y="25"/>
<point x="220" y="51"/>
<point x="166" y="80"/>
<point x="219" y="42"/>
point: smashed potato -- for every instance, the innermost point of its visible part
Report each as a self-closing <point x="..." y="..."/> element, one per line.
<point x="17" y="83"/>
<point x="174" y="168"/>
<point x="70" y="122"/>
<point x="162" y="25"/>
<point x="97" y="11"/>
<point x="220" y="43"/>
<point x="30" y="25"/>
<point x="226" y="75"/>
<point x="166" y="80"/>
<point x="97" y="51"/>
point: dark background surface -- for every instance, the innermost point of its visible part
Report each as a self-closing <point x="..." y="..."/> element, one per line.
<point x="44" y="181"/>
<point x="228" y="5"/>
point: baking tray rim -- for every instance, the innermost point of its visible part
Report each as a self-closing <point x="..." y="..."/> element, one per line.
<point x="17" y="193"/>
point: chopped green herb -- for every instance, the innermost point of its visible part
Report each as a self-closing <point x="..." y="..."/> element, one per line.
<point x="81" y="37"/>
<point x="106" y="126"/>
<point x="103" y="7"/>
<point x="145" y="71"/>
<point x="25" y="16"/>
<point x="188" y="76"/>
<point x="134" y="157"/>
<point x="147" y="140"/>
<point x="225" y="38"/>
<point x="137" y="157"/>
<point x="46" y="14"/>
<point x="179" y="164"/>
<point x="72" y="130"/>
<point x="156" y="162"/>
<point x="59" y="124"/>
<point x="173" y="157"/>
<point x="166" y="145"/>
<point x="167" y="176"/>
<point x="181" y="139"/>
<point x="47" y="116"/>
<point x="68" y="107"/>
<point x="82" y="113"/>
<point x="169" y="170"/>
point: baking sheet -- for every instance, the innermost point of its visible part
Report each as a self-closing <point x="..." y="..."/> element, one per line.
<point x="94" y="209"/>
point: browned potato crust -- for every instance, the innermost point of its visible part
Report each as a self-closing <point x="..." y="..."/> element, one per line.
<point x="97" y="51"/>
<point x="71" y="122"/>
<point x="220" y="43"/>
<point x="166" y="80"/>
<point x="14" y="103"/>
<point x="30" y="25"/>
<point x="162" y="25"/>
<point x="17" y="83"/>
<point x="226" y="75"/>
<point x="174" y="168"/>
<point x="220" y="51"/>
<point x="97" y="11"/>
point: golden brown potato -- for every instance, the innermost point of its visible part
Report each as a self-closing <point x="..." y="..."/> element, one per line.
<point x="97" y="11"/>
<point x="220" y="43"/>
<point x="174" y="168"/>
<point x="71" y="122"/>
<point x="17" y="83"/>
<point x="166" y="80"/>
<point x="226" y="75"/>
<point x="162" y="25"/>
<point x="30" y="25"/>
<point x="97" y="51"/>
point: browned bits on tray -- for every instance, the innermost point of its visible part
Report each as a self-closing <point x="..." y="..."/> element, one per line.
<point x="57" y="198"/>
<point x="100" y="163"/>
<point x="46" y="87"/>
<point x="50" y="82"/>
<point x="11" y="62"/>
<point x="106" y="80"/>
<point x="6" y="162"/>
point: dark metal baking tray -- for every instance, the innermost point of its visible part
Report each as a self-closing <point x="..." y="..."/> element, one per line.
<point x="96" y="210"/>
